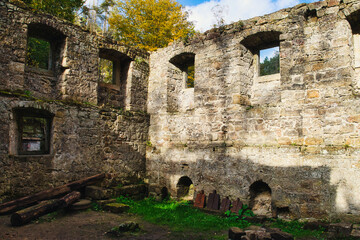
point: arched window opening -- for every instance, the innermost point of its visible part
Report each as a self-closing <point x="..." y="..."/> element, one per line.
<point x="266" y="49"/>
<point x="44" y="45"/>
<point x="260" y="198"/>
<point x="186" y="63"/>
<point x="185" y="188"/>
<point x="113" y="67"/>
<point x="113" y="74"/>
<point x="354" y="20"/>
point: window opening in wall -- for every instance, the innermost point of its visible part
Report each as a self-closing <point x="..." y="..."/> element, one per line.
<point x="185" y="62"/>
<point x="106" y="71"/>
<point x="269" y="61"/>
<point x="113" y="67"/>
<point x="44" y="46"/>
<point x="33" y="131"/>
<point x="265" y="47"/>
<point x="354" y="20"/>
<point x="38" y="53"/>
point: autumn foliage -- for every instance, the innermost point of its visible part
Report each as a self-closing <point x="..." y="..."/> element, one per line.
<point x="149" y="24"/>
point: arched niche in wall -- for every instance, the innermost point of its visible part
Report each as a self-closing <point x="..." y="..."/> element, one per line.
<point x="45" y="46"/>
<point x="265" y="66"/>
<point x="181" y="82"/>
<point x="260" y="198"/>
<point x="113" y="75"/>
<point x="185" y="188"/>
<point x="165" y="193"/>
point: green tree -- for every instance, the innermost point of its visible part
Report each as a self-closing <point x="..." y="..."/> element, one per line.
<point x="190" y="76"/>
<point x="149" y="24"/>
<point x="106" y="71"/>
<point x="61" y="8"/>
<point x="270" y="66"/>
<point x="38" y="53"/>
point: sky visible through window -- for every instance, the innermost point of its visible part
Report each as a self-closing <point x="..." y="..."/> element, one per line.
<point x="269" y="53"/>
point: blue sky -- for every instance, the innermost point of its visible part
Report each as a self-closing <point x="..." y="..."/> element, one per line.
<point x="190" y="2"/>
<point x="201" y="12"/>
<point x="269" y="52"/>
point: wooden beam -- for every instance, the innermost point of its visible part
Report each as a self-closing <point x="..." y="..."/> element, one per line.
<point x="14" y="205"/>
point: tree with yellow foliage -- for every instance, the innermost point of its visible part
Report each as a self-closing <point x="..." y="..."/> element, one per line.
<point x="149" y="24"/>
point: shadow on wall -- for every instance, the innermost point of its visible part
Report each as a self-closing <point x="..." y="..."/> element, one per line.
<point x="80" y="144"/>
<point x="286" y="191"/>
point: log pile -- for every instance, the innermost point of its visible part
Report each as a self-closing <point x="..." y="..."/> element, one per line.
<point x="45" y="202"/>
<point x="26" y="215"/>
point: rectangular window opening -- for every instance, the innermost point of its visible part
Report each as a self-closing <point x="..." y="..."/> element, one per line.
<point x="38" y="53"/>
<point x="269" y="61"/>
<point x="106" y="71"/>
<point x="34" y="134"/>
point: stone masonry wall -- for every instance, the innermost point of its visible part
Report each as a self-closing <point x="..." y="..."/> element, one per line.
<point x="87" y="137"/>
<point x="297" y="131"/>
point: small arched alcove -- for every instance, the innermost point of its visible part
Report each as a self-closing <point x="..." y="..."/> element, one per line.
<point x="164" y="193"/>
<point x="185" y="188"/>
<point x="260" y="198"/>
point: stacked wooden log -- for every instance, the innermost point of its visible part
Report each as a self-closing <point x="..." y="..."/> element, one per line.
<point x="42" y="207"/>
<point x="26" y="215"/>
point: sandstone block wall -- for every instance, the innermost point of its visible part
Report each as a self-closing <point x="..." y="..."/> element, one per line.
<point x="92" y="131"/>
<point x="297" y="131"/>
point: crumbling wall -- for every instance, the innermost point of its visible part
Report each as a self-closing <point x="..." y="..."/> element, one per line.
<point x="87" y="136"/>
<point x="297" y="131"/>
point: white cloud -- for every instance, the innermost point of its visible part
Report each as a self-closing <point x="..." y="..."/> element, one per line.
<point x="285" y="3"/>
<point x="234" y="10"/>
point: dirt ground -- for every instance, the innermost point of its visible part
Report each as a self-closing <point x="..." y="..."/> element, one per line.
<point x="90" y="225"/>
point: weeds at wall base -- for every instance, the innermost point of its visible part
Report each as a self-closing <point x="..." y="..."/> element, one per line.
<point x="181" y="216"/>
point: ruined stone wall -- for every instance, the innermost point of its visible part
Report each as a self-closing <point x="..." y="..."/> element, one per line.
<point x="297" y="131"/>
<point x="87" y="136"/>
